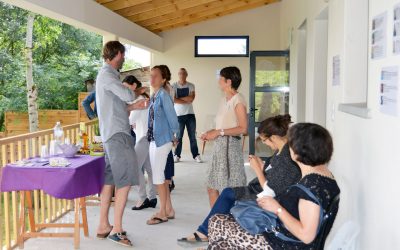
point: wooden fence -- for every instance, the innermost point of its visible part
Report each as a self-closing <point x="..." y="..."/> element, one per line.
<point x="17" y="123"/>
<point x="46" y="208"/>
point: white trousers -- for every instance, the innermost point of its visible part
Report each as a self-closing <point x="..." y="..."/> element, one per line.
<point x="158" y="161"/>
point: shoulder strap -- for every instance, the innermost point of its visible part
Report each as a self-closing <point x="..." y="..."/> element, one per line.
<point x="312" y="196"/>
<point x="321" y="214"/>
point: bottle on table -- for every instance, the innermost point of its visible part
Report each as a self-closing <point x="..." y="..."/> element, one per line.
<point x="83" y="137"/>
<point x="58" y="135"/>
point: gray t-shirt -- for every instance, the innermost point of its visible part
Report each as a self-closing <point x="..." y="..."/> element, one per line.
<point x="111" y="101"/>
<point x="183" y="91"/>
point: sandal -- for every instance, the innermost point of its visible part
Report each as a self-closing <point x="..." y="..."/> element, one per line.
<point x="197" y="239"/>
<point x="121" y="239"/>
<point x="156" y="220"/>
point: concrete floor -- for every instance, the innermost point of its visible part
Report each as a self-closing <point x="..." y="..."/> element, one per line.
<point x="191" y="205"/>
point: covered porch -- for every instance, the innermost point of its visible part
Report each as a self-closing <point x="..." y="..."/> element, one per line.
<point x="334" y="80"/>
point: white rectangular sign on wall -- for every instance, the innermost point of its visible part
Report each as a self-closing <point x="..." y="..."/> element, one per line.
<point x="396" y="30"/>
<point x="389" y="91"/>
<point x="379" y="36"/>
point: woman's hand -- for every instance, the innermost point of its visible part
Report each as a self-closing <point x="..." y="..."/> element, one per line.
<point x="269" y="204"/>
<point x="210" y="135"/>
<point x="256" y="163"/>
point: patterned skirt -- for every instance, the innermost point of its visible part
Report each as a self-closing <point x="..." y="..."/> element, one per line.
<point x="227" y="165"/>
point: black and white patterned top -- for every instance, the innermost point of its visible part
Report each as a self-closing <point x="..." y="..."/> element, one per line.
<point x="280" y="172"/>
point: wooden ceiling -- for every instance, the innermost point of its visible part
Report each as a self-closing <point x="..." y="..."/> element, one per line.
<point x="162" y="15"/>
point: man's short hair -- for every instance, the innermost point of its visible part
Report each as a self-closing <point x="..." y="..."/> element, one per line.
<point x="111" y="49"/>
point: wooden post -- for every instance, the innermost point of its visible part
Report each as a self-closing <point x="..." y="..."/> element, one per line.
<point x="21" y="231"/>
<point x="84" y="217"/>
<point x="77" y="225"/>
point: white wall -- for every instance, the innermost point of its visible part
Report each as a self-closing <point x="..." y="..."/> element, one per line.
<point x="366" y="158"/>
<point x="261" y="24"/>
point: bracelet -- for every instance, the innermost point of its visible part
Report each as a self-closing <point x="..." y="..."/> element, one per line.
<point x="278" y="211"/>
<point x="221" y="132"/>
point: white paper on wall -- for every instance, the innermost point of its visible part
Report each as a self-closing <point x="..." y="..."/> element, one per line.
<point x="396" y="30"/>
<point x="389" y="91"/>
<point x="336" y="71"/>
<point x="378" y="36"/>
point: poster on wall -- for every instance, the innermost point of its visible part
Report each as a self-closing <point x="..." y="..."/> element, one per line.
<point x="378" y="36"/>
<point x="336" y="71"/>
<point x="389" y="91"/>
<point x="396" y="30"/>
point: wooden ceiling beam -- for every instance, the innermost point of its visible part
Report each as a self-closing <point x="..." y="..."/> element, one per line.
<point x="147" y="6"/>
<point x="103" y="1"/>
<point x="186" y="12"/>
<point x="121" y="4"/>
<point x="207" y="15"/>
<point x="169" y="9"/>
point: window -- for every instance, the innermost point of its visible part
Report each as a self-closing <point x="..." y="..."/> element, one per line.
<point x="221" y="46"/>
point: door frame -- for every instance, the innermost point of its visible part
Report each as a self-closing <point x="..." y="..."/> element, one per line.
<point x="254" y="89"/>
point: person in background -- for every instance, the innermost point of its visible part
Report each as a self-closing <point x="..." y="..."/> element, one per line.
<point x="132" y="83"/>
<point x="183" y="99"/>
<point x="274" y="176"/>
<point x="138" y="120"/>
<point x="163" y="129"/>
<point x="89" y="99"/>
<point x="298" y="213"/>
<point x="227" y="165"/>
<point x="121" y="170"/>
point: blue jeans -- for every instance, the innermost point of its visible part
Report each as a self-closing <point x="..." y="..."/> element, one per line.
<point x="190" y="122"/>
<point x="223" y="205"/>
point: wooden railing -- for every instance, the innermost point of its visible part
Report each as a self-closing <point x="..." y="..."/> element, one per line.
<point x="46" y="208"/>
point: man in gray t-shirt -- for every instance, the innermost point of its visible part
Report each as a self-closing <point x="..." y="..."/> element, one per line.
<point x="184" y="97"/>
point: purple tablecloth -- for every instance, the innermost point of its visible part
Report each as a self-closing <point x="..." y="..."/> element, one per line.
<point x="84" y="177"/>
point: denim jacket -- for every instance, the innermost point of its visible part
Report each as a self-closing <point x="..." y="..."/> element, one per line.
<point x="165" y="119"/>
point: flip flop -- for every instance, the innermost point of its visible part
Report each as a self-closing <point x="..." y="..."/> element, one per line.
<point x="120" y="239"/>
<point x="156" y="220"/>
<point x="171" y="217"/>
<point x="197" y="239"/>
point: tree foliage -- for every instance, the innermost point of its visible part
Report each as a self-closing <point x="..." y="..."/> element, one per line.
<point x="64" y="57"/>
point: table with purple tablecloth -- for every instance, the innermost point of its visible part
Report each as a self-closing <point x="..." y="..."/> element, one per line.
<point x="83" y="177"/>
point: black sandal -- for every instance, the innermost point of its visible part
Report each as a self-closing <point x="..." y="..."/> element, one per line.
<point x="197" y="239"/>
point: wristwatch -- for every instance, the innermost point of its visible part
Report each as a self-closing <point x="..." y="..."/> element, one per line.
<point x="221" y="132"/>
<point x="279" y="211"/>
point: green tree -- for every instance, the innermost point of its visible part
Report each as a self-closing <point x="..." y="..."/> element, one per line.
<point x="64" y="57"/>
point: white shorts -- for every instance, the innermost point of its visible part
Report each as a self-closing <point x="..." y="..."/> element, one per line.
<point x="158" y="160"/>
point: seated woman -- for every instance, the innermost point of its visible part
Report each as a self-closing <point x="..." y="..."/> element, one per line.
<point x="275" y="176"/>
<point x="298" y="214"/>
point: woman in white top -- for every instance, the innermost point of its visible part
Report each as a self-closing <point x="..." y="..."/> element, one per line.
<point x="227" y="165"/>
<point x="138" y="119"/>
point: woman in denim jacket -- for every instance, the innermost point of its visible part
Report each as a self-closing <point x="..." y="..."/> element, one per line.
<point x="162" y="133"/>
